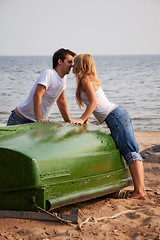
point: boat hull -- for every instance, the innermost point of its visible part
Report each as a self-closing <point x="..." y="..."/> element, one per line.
<point x="55" y="164"/>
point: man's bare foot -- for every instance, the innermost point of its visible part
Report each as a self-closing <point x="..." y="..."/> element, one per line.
<point x="138" y="195"/>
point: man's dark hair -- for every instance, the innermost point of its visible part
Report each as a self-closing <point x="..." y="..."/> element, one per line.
<point x="61" y="54"/>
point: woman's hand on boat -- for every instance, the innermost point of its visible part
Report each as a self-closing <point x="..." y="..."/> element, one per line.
<point x="78" y="121"/>
<point x="43" y="120"/>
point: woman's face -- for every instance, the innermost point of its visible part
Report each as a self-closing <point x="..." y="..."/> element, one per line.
<point x="76" y="66"/>
<point x="73" y="70"/>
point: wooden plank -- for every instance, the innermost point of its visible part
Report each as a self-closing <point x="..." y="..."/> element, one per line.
<point x="74" y="217"/>
<point x="27" y="215"/>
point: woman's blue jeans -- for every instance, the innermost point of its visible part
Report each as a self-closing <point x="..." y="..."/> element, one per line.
<point x="120" y="125"/>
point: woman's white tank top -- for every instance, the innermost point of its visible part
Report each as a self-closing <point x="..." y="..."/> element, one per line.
<point x="103" y="107"/>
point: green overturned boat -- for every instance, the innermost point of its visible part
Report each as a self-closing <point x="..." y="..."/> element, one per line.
<point x="55" y="164"/>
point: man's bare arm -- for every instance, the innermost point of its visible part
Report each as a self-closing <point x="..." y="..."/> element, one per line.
<point x="37" y="99"/>
<point x="62" y="105"/>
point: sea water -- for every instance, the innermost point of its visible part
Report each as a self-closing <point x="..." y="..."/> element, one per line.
<point x="131" y="81"/>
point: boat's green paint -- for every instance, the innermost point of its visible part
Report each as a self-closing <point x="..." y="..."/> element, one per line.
<point x="54" y="164"/>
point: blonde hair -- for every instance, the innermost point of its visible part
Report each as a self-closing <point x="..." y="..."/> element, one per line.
<point x="84" y="66"/>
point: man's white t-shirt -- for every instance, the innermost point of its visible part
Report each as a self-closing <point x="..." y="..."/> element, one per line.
<point x="54" y="86"/>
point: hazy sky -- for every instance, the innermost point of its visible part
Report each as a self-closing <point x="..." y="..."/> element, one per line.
<point x="39" y="27"/>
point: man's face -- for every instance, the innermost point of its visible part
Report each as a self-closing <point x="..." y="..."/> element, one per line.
<point x="67" y="64"/>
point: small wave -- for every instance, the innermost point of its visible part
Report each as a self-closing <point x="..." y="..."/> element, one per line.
<point x="18" y="71"/>
<point x="144" y="118"/>
<point x="39" y="72"/>
<point x="1" y="112"/>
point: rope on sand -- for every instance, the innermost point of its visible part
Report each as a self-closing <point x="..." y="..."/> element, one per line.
<point x="89" y="219"/>
<point x="93" y="219"/>
<point x="54" y="215"/>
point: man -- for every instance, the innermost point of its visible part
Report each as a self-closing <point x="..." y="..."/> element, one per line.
<point x="48" y="89"/>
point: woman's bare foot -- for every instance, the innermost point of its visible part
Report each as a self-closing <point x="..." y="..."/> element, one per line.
<point x="138" y="195"/>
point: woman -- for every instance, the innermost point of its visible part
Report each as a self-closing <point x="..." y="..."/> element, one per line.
<point x="90" y="93"/>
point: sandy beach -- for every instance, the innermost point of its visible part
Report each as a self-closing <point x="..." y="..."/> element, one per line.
<point x="110" y="218"/>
